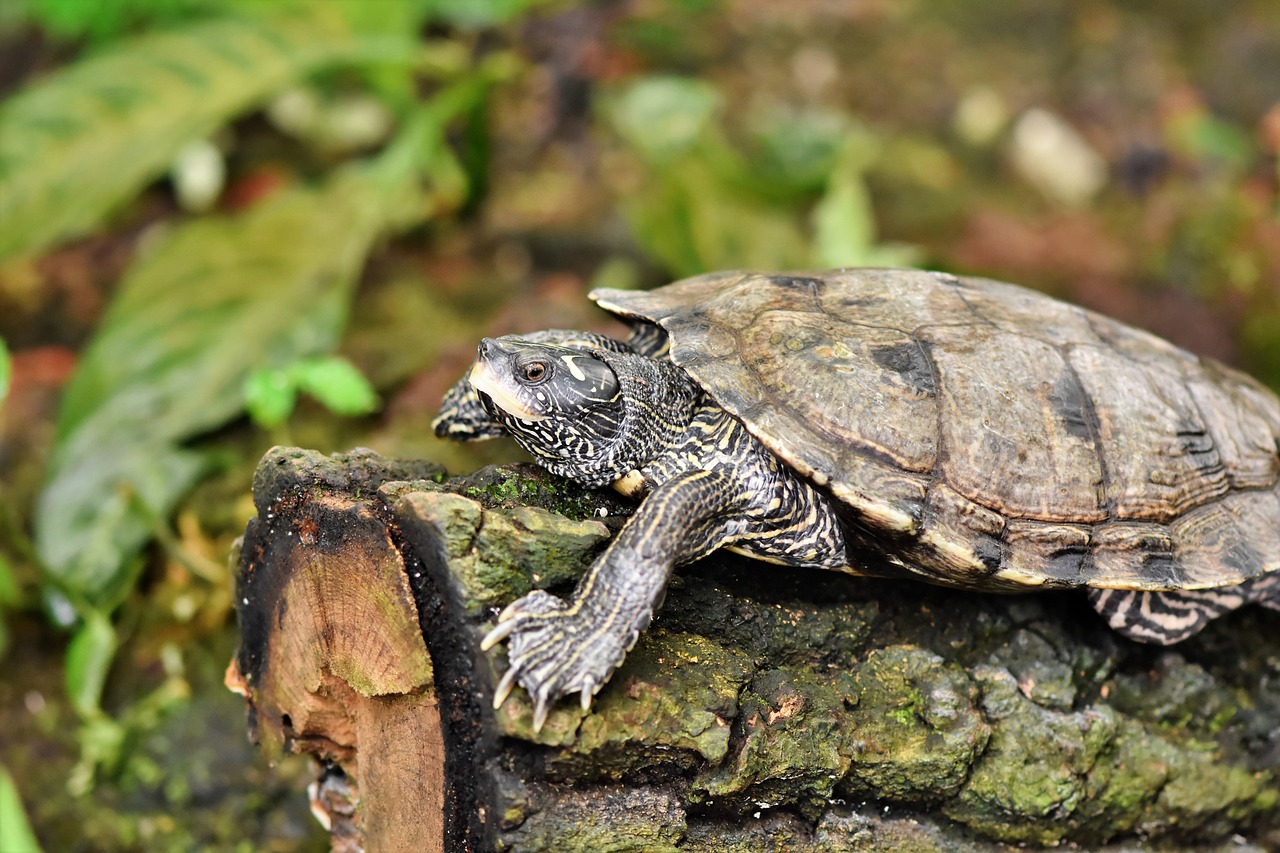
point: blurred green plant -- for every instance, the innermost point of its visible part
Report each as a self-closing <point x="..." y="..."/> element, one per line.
<point x="99" y="21"/>
<point x="82" y="142"/>
<point x="15" y="832"/>
<point x="218" y="314"/>
<point x="797" y="200"/>
<point x="8" y="599"/>
<point x="476" y="13"/>
<point x="102" y="20"/>
<point x="6" y="370"/>
<point x="8" y="584"/>
<point x="219" y="298"/>
<point x="270" y="394"/>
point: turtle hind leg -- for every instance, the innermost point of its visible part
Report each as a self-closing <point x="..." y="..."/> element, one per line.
<point x="1268" y="588"/>
<point x="1163" y="618"/>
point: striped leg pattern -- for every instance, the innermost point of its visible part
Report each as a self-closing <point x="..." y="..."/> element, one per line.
<point x="1170" y="617"/>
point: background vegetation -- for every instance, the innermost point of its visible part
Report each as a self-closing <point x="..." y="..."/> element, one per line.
<point x="226" y="224"/>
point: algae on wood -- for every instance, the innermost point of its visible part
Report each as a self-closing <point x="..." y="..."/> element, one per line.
<point x="766" y="709"/>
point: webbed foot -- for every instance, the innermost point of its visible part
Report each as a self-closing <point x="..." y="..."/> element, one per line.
<point x="554" y="649"/>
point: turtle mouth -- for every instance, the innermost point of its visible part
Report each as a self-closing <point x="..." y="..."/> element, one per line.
<point x="483" y="380"/>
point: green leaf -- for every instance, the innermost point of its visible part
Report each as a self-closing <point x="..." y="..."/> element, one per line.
<point x="269" y="396"/>
<point x="844" y="224"/>
<point x="218" y="299"/>
<point x="6" y="371"/>
<point x="84" y="140"/>
<point x="102" y="20"/>
<point x="477" y="14"/>
<point x="88" y="660"/>
<point x="337" y="384"/>
<point x="844" y="221"/>
<point x="15" y="832"/>
<point x="796" y="148"/>
<point x="693" y="222"/>
<point x="663" y="117"/>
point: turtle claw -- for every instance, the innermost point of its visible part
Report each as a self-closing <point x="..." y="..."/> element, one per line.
<point x="541" y="707"/>
<point x="504" y="687"/>
<point x="548" y="654"/>
<point x="498" y="634"/>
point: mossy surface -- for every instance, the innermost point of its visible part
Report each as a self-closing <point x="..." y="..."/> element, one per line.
<point x="655" y="821"/>
<point x="524" y="485"/>
<point x="798" y="710"/>
<point x="499" y="555"/>
<point x="677" y="692"/>
<point x="916" y="727"/>
<point x="795" y="743"/>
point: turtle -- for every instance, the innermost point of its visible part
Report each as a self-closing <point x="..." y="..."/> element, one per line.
<point x="902" y="423"/>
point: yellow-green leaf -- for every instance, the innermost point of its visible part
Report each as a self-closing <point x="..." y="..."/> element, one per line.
<point x="337" y="384"/>
<point x="15" y="832"/>
<point x="6" y="369"/>
<point x="844" y="226"/>
<point x="83" y="140"/>
<point x="88" y="660"/>
<point x="694" y="222"/>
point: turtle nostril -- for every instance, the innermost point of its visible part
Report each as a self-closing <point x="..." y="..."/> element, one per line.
<point x="483" y="349"/>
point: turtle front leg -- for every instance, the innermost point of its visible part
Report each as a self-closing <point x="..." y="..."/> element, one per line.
<point x="557" y="648"/>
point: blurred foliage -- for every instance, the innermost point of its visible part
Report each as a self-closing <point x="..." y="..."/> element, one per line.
<point x="700" y="203"/>
<point x="212" y="301"/>
<point x="80" y="143"/>
<point x="8" y="584"/>
<point x="218" y="298"/>
<point x="101" y="21"/>
<point x="98" y="21"/>
<point x="271" y="393"/>
<point x="15" y="832"/>
<point x="8" y="599"/>
<point x="6" y="371"/>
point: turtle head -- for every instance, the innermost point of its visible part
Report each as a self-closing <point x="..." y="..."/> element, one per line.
<point x="464" y="418"/>
<point x="564" y="405"/>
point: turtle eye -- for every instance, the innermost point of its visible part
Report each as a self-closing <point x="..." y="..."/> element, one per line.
<point x="534" y="372"/>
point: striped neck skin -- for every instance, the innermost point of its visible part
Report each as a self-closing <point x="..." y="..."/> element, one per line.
<point x="591" y="416"/>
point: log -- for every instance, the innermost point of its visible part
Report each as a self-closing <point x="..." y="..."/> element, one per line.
<point x="766" y="708"/>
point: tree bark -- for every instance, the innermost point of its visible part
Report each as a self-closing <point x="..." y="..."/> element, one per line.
<point x="765" y="709"/>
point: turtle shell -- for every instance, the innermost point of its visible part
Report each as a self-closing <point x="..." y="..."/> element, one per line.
<point x="983" y="435"/>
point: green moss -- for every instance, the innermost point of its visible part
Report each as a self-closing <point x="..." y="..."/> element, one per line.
<point x="791" y="633"/>
<point x="674" y="692"/>
<point x="1042" y="674"/>
<point x="499" y="555"/>
<point x="584" y="821"/>
<point x="1031" y="777"/>
<point x="1094" y="773"/>
<point x="795" y="748"/>
<point x="1217" y="799"/>
<point x="1129" y="768"/>
<point x="916" y="727"/>
<point x="1176" y="693"/>
<point x="512" y="486"/>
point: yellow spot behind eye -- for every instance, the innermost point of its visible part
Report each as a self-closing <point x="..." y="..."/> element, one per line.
<point x="573" y="368"/>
